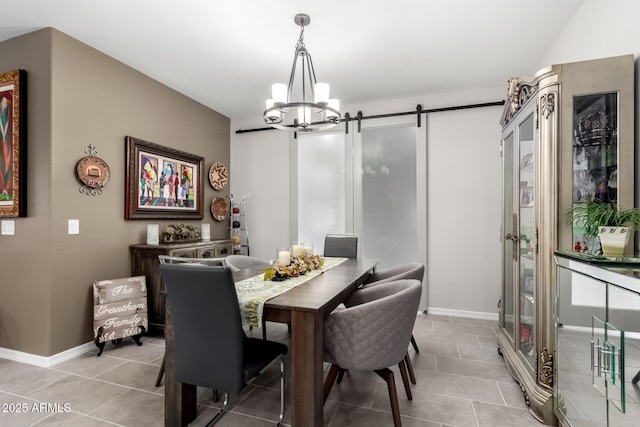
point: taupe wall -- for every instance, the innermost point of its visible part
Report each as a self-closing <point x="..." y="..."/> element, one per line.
<point x="83" y="97"/>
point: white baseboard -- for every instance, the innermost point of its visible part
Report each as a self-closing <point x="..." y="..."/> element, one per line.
<point x="42" y="361"/>
<point x="462" y="313"/>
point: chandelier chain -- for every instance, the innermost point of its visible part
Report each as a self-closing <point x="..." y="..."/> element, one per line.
<point x="300" y="43"/>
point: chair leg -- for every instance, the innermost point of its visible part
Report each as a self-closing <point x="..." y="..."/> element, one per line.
<point x="160" y="372"/>
<point x="341" y="375"/>
<point x="407" y="361"/>
<point x="387" y="375"/>
<point x="328" y="383"/>
<point x="264" y="329"/>
<point x="281" y="391"/>
<point x="405" y="379"/>
<point x="221" y="412"/>
<point x="414" y="344"/>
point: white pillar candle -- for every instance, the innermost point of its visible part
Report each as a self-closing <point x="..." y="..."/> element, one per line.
<point x="206" y="231"/>
<point x="308" y="248"/>
<point x="284" y="257"/>
<point x="153" y="234"/>
<point x="297" y="250"/>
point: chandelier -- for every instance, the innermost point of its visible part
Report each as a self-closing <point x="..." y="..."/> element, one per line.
<point x="312" y="109"/>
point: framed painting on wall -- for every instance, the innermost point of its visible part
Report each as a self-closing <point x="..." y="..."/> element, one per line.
<point x="162" y="182"/>
<point x="13" y="133"/>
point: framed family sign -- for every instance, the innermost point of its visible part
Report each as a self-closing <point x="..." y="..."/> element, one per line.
<point x="13" y="132"/>
<point x="162" y="182"/>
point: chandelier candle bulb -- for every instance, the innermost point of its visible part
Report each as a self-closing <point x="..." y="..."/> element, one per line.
<point x="304" y="115"/>
<point x="279" y="93"/>
<point x="335" y="104"/>
<point x="321" y="91"/>
<point x="273" y="115"/>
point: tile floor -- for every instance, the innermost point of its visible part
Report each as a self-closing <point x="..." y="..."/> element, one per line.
<point x="461" y="381"/>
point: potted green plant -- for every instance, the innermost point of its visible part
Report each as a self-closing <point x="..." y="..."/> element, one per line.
<point x="604" y="220"/>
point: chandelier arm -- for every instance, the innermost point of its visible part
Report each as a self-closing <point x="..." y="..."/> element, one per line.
<point x="312" y="76"/>
<point x="303" y="81"/>
<point x="313" y="70"/>
<point x="292" y="77"/>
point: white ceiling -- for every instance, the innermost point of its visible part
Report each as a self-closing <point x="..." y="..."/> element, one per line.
<point x="226" y="54"/>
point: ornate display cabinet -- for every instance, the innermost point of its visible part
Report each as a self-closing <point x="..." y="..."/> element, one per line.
<point x="567" y="138"/>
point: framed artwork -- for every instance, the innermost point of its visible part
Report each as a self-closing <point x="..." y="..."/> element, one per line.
<point x="162" y="182"/>
<point x="13" y="132"/>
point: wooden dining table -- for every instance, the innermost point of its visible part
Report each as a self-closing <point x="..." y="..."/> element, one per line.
<point x="305" y="308"/>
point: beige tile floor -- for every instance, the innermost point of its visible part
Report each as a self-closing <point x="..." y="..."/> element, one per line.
<point x="461" y="381"/>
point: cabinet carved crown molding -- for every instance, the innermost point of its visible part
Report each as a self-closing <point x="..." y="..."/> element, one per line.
<point x="519" y="91"/>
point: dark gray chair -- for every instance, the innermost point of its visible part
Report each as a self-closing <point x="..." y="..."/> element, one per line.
<point x="167" y="259"/>
<point x="241" y="262"/>
<point x="405" y="271"/>
<point x="341" y="245"/>
<point x="374" y="335"/>
<point x="210" y="347"/>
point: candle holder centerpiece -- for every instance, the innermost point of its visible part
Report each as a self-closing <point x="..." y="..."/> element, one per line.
<point x="293" y="262"/>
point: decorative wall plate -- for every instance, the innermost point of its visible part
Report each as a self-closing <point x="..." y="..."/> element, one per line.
<point x="219" y="208"/>
<point x="93" y="172"/>
<point x="218" y="176"/>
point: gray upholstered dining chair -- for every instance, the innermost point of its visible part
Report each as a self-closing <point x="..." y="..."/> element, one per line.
<point x="341" y="245"/>
<point x="168" y="259"/>
<point x="374" y="335"/>
<point x="210" y="347"/>
<point x="405" y="271"/>
<point x="241" y="262"/>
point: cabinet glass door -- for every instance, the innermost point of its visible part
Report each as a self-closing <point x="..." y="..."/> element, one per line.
<point x="527" y="225"/>
<point x="509" y="246"/>
<point x="580" y="393"/>
<point x="623" y="315"/>
<point x="595" y="156"/>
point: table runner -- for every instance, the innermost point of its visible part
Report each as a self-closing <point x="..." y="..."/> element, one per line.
<point x="254" y="292"/>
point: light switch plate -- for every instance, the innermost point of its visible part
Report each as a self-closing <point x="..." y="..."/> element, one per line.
<point x="8" y="227"/>
<point x="74" y="226"/>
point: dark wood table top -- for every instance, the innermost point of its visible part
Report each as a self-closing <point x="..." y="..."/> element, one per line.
<point x="323" y="292"/>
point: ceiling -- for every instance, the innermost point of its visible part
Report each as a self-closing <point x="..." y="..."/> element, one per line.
<point x="226" y="54"/>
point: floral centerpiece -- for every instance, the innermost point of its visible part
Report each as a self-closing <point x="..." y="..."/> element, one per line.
<point x="298" y="266"/>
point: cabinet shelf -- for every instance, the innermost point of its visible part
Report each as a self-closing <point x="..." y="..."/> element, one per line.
<point x="238" y="228"/>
